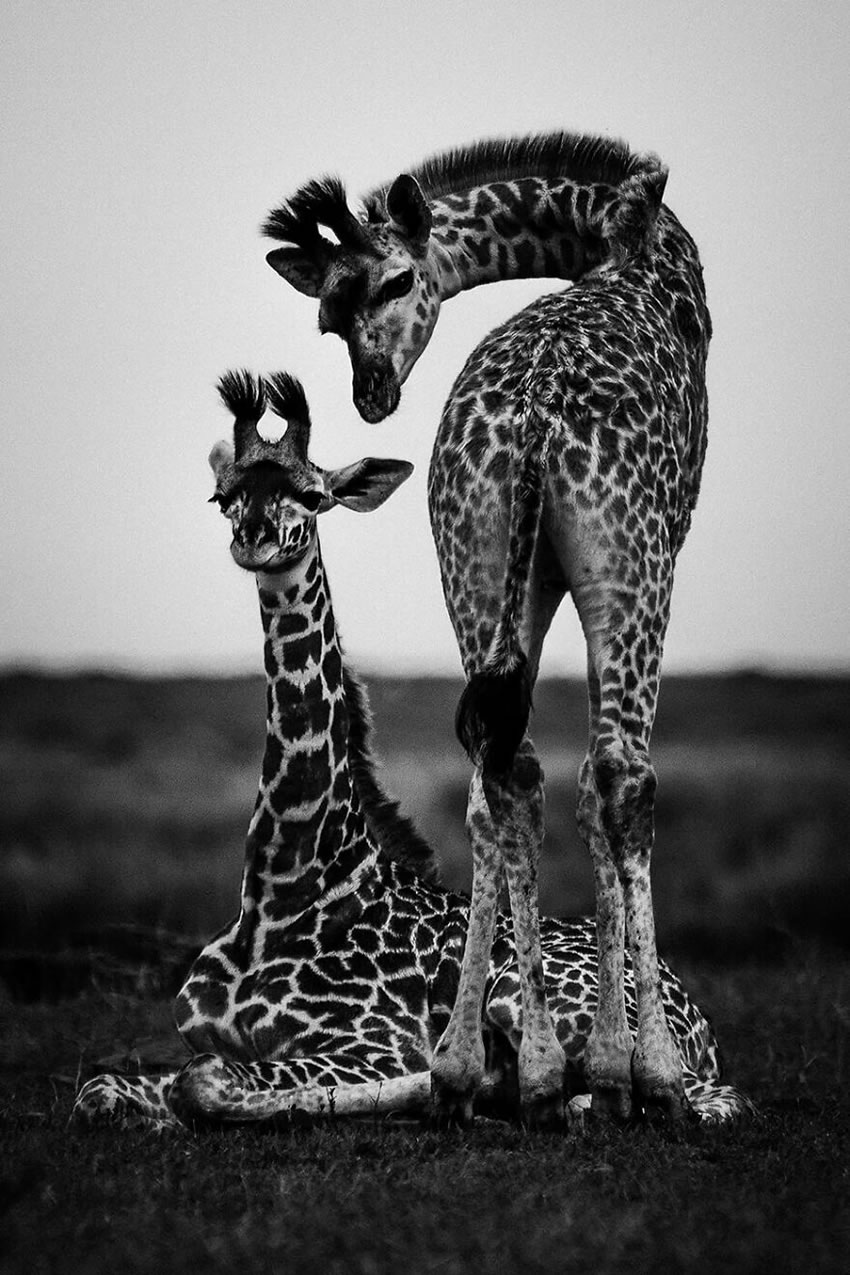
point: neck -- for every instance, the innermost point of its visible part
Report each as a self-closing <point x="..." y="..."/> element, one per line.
<point x="517" y="230"/>
<point x="533" y="226"/>
<point x="307" y="842"/>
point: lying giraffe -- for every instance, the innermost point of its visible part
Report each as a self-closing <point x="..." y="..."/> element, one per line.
<point x="330" y="989"/>
<point x="568" y="460"/>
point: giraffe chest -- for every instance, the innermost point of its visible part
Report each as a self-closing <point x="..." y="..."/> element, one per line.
<point x="311" y="987"/>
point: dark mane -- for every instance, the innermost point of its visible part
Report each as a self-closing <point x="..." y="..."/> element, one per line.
<point x="321" y="202"/>
<point x="394" y="832"/>
<point x="576" y="156"/>
<point x="243" y="394"/>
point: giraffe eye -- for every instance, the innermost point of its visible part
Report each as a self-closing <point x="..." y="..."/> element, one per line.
<point x="226" y="501"/>
<point x="310" y="500"/>
<point x="398" y="286"/>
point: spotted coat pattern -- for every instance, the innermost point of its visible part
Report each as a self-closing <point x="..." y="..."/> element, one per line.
<point x="568" y="460"/>
<point x="560" y="205"/>
<point x="332" y="986"/>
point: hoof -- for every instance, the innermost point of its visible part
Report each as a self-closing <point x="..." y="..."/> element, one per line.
<point x="612" y="1102"/>
<point x="457" y="1115"/>
<point x="450" y="1109"/>
<point x="546" y="1113"/>
<point x="671" y="1110"/>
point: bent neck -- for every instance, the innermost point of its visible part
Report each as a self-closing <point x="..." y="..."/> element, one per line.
<point x="307" y="841"/>
<point x="523" y="228"/>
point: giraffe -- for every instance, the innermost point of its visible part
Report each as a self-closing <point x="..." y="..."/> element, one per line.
<point x="568" y="460"/>
<point x="331" y="987"/>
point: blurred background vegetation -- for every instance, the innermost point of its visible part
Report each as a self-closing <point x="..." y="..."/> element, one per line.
<point x="126" y="800"/>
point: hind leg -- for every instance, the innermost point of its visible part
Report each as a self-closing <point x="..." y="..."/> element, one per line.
<point x="626" y="783"/>
<point x="608" y="1055"/>
<point x="519" y="809"/>
<point x="458" y="1064"/>
<point x="505" y="826"/>
<point x="624" y="612"/>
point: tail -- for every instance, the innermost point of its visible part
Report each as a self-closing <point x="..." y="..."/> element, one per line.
<point x="492" y="715"/>
<point x="493" y="712"/>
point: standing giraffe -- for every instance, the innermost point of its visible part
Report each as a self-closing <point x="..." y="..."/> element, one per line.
<point x="330" y="988"/>
<point x="568" y="460"/>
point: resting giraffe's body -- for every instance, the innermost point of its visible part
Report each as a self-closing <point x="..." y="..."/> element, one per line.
<point x="568" y="460"/>
<point x="332" y="986"/>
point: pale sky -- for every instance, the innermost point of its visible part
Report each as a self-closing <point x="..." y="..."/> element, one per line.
<point x="143" y="143"/>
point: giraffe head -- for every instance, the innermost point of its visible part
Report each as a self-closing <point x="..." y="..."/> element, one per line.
<point x="378" y="285"/>
<point x="271" y="491"/>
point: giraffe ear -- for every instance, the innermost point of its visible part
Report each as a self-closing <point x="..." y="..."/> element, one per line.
<point x="304" y="273"/>
<point x="366" y="484"/>
<point x="408" y="209"/>
<point x="221" y="457"/>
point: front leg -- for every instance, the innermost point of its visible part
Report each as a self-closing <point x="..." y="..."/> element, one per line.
<point x="213" y="1089"/>
<point x="217" y="1090"/>
<point x="505" y="825"/>
<point x="127" y="1100"/>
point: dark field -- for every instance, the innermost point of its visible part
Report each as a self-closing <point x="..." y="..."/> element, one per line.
<point x="127" y="801"/>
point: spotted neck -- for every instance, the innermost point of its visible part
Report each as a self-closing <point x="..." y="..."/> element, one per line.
<point x="307" y="842"/>
<point x="533" y="227"/>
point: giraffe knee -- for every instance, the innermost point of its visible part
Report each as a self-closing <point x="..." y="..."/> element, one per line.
<point x="625" y="785"/>
<point x="199" y="1088"/>
<point x="526" y="773"/>
<point x="516" y="798"/>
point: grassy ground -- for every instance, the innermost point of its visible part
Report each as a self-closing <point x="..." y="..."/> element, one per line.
<point x="770" y="1195"/>
<point x="127" y="801"/>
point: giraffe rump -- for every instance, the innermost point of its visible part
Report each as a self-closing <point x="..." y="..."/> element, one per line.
<point x="577" y="157"/>
<point x="493" y="712"/>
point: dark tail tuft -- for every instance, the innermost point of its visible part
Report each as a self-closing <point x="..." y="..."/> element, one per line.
<point x="492" y="717"/>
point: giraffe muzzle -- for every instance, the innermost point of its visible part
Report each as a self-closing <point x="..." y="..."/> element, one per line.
<point x="255" y="557"/>
<point x="376" y="392"/>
